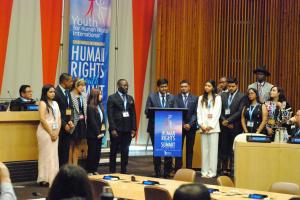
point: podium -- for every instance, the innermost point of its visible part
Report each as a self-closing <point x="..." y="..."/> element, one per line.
<point x="167" y="131"/>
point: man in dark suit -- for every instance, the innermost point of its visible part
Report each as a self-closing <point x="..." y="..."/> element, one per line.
<point x="25" y="99"/>
<point x="122" y="124"/>
<point x="64" y="101"/>
<point x="233" y="102"/>
<point x="160" y="99"/>
<point x="187" y="100"/>
<point x="295" y="128"/>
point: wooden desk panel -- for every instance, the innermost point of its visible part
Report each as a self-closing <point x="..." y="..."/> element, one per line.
<point x="124" y="188"/>
<point x="18" y="136"/>
<point x="197" y="152"/>
<point x="258" y="165"/>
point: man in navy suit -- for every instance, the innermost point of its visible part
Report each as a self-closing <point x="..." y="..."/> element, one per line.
<point x="233" y="103"/>
<point x="161" y="99"/>
<point x="187" y="100"/>
<point x="122" y="125"/>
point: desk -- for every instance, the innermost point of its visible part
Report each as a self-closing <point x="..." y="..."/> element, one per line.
<point x="258" y="165"/>
<point x="18" y="136"/>
<point x="124" y="188"/>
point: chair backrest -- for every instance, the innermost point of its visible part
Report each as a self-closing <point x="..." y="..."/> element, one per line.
<point x="285" y="187"/>
<point x="243" y="138"/>
<point x="97" y="187"/>
<point x="155" y="192"/>
<point x="187" y="175"/>
<point x="225" y="181"/>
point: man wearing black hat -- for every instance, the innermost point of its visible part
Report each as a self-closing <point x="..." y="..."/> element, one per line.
<point x="261" y="85"/>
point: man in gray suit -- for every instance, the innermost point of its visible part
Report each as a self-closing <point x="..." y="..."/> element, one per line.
<point x="161" y="99"/>
<point x="233" y="103"/>
<point x="261" y="85"/>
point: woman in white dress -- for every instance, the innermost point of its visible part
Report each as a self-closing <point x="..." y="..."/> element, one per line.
<point x="208" y="114"/>
<point x="47" y="136"/>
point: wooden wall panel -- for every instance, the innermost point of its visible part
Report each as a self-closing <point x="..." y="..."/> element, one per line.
<point x="206" y="39"/>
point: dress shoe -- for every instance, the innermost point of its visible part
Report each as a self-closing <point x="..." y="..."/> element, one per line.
<point x="44" y="184"/>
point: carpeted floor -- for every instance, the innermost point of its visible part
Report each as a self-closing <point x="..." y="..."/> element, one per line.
<point x="141" y="165"/>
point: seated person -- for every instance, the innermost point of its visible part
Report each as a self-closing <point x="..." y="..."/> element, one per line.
<point x="6" y="189"/>
<point x="70" y="182"/>
<point x="194" y="191"/>
<point x="25" y="98"/>
<point x="295" y="129"/>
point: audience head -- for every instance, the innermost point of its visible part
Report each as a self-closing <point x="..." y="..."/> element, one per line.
<point x="222" y="83"/>
<point x="277" y="93"/>
<point x="210" y="87"/>
<point x="122" y="86"/>
<point x="71" y="181"/>
<point x="232" y="85"/>
<point x="95" y="97"/>
<point x="162" y="85"/>
<point x="25" y="91"/>
<point x="253" y="95"/>
<point x="261" y="73"/>
<point x="78" y="85"/>
<point x="185" y="86"/>
<point x="195" y="191"/>
<point x="65" y="80"/>
<point x="48" y="92"/>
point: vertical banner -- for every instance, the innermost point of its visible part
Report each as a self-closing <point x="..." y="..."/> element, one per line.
<point x="168" y="133"/>
<point x="89" y="37"/>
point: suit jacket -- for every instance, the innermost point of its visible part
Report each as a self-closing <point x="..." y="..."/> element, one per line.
<point x="62" y="101"/>
<point x="236" y="109"/>
<point x="190" y="117"/>
<point x="19" y="105"/>
<point x="203" y="112"/>
<point x="266" y="89"/>
<point x="115" y="109"/>
<point x="94" y="122"/>
<point x="295" y="131"/>
<point x="154" y="101"/>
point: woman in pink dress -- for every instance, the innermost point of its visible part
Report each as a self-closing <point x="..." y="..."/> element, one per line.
<point x="47" y="136"/>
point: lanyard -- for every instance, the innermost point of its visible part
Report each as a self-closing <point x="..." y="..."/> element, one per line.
<point x="54" y="111"/>
<point x="100" y="113"/>
<point x="81" y="101"/>
<point x="231" y="99"/>
<point x="251" y="111"/>
<point x="68" y="99"/>
<point x="209" y="104"/>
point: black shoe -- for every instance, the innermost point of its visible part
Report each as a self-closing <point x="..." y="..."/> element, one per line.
<point x="44" y="184"/>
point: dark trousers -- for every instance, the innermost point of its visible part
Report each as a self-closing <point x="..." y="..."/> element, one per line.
<point x="226" y="152"/>
<point x="122" y="143"/>
<point x="63" y="147"/>
<point x="94" y="154"/>
<point x="157" y="162"/>
<point x="190" y="140"/>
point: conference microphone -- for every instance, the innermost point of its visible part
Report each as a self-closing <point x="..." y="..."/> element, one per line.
<point x="8" y="107"/>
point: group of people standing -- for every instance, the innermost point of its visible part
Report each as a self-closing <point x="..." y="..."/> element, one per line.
<point x="69" y="117"/>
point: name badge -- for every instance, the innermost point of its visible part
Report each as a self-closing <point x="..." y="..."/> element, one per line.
<point x="250" y="124"/>
<point x="209" y="116"/>
<point x="227" y="111"/>
<point x="125" y="114"/>
<point x="54" y="126"/>
<point x="81" y="117"/>
<point x="68" y="111"/>
<point x="102" y="127"/>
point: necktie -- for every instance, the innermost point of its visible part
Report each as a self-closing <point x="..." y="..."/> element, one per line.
<point x="185" y="100"/>
<point x="124" y="99"/>
<point x="260" y="92"/>
<point x="230" y="99"/>
<point x="163" y="101"/>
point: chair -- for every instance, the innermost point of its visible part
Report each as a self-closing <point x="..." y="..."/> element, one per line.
<point x="225" y="181"/>
<point x="285" y="187"/>
<point x="187" y="175"/>
<point x="154" y="192"/>
<point x="97" y="187"/>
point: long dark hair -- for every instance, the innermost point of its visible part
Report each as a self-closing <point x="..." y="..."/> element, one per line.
<point x="71" y="181"/>
<point x="205" y="94"/>
<point x="256" y="93"/>
<point x="93" y="99"/>
<point x="44" y="96"/>
<point x="281" y="97"/>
